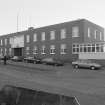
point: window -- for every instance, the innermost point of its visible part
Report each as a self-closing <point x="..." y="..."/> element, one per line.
<point x="52" y="49"/>
<point x="63" y="49"/>
<point x="100" y="35"/>
<point x="43" y="36"/>
<point x="27" y="50"/>
<point x="27" y="38"/>
<point x="88" y="32"/>
<point x="10" y="40"/>
<point x="43" y="50"/>
<point x="35" y="37"/>
<point x="52" y="35"/>
<point x="1" y="51"/>
<point x="63" y="33"/>
<point x="95" y="34"/>
<point x="75" y="48"/>
<point x="10" y="51"/>
<point x="1" y="42"/>
<point x="5" y="41"/>
<point x="35" y="50"/>
<point x="75" y="31"/>
<point x="5" y="51"/>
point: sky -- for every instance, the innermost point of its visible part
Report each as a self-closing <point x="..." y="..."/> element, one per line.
<point x="19" y="15"/>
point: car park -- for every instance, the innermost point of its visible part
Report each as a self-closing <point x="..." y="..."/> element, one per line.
<point x="17" y="58"/>
<point x="51" y="61"/>
<point x="86" y="64"/>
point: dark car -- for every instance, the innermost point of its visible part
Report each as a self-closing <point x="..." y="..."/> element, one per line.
<point x="32" y="60"/>
<point x="17" y="58"/>
<point x="51" y="61"/>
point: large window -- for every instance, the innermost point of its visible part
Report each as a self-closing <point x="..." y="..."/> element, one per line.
<point x="75" y="31"/>
<point x="52" y="35"/>
<point x="43" y="36"/>
<point x="98" y="47"/>
<point x="63" y="49"/>
<point x="52" y="49"/>
<point x="63" y="33"/>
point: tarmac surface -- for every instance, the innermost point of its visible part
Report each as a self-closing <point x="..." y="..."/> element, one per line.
<point x="88" y="86"/>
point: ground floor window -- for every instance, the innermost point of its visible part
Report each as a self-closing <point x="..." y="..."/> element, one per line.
<point x="27" y="50"/>
<point x="35" y="50"/>
<point x="43" y="50"/>
<point x="52" y="49"/>
<point x="63" y="49"/>
<point x="1" y="51"/>
<point x="10" y="51"/>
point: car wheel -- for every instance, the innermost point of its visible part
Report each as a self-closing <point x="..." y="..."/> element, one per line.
<point x="76" y="66"/>
<point x="92" y="68"/>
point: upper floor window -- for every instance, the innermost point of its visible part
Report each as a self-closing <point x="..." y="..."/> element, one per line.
<point x="63" y="49"/>
<point x="35" y="37"/>
<point x="88" y="32"/>
<point x="75" y="31"/>
<point x="95" y="34"/>
<point x="1" y="42"/>
<point x="52" y="35"/>
<point x="35" y="50"/>
<point x="52" y="49"/>
<point x="43" y="36"/>
<point x="5" y="41"/>
<point x="100" y="35"/>
<point x="10" y="40"/>
<point x="43" y="50"/>
<point x="27" y="38"/>
<point x="63" y="33"/>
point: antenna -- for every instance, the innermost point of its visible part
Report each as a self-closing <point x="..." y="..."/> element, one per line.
<point x="17" y="21"/>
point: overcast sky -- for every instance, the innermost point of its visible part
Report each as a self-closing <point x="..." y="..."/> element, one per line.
<point x="38" y="13"/>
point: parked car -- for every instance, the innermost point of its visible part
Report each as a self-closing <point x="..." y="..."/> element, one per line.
<point x="86" y="64"/>
<point x="51" y="61"/>
<point x="29" y="59"/>
<point x="32" y="60"/>
<point x="17" y="58"/>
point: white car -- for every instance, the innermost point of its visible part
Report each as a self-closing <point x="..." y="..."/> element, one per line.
<point x="86" y="64"/>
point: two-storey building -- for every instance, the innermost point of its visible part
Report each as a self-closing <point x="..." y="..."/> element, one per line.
<point x="65" y="41"/>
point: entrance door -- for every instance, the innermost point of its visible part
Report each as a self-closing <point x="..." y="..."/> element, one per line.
<point x="17" y="51"/>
